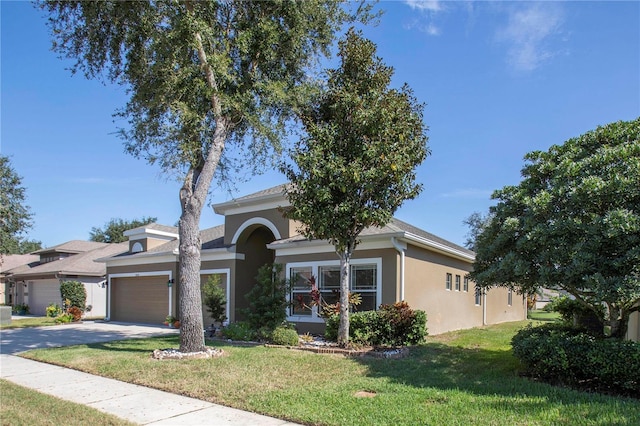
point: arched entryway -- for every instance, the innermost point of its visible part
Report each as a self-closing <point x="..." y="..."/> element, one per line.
<point x="252" y="243"/>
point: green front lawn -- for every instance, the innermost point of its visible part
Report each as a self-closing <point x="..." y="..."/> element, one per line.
<point x="22" y="406"/>
<point x="29" y="322"/>
<point x="540" y="315"/>
<point x="464" y="377"/>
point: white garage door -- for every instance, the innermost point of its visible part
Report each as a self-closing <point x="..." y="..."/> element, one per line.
<point x="42" y="294"/>
<point x="140" y="299"/>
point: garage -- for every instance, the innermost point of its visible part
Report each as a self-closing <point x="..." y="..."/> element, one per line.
<point x="140" y="299"/>
<point x="42" y="293"/>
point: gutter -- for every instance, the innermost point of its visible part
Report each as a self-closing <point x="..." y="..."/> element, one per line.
<point x="401" y="249"/>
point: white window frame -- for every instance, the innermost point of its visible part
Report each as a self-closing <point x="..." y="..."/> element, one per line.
<point x="458" y="282"/>
<point x="315" y="317"/>
<point x="465" y="285"/>
<point x="510" y="298"/>
<point x="448" y="282"/>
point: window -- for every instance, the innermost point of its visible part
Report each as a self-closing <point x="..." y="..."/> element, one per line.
<point x="466" y="284"/>
<point x="478" y="296"/>
<point x="136" y="247"/>
<point x="457" y="282"/>
<point x="448" y="283"/>
<point x="510" y="297"/>
<point x="364" y="279"/>
<point x="301" y="281"/>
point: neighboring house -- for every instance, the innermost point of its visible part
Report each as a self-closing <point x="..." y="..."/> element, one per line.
<point x="633" y="332"/>
<point x="394" y="263"/>
<point x="37" y="284"/>
<point x="7" y="262"/>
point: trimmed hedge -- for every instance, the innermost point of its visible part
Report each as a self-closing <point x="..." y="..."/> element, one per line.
<point x="75" y="293"/>
<point x="284" y="336"/>
<point x="573" y="357"/>
<point x="391" y="325"/>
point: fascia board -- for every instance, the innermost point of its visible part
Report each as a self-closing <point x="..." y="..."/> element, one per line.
<point x="137" y="234"/>
<point x="371" y="242"/>
<point x="142" y="260"/>
<point x="438" y="247"/>
<point x="220" y="254"/>
<point x="266" y="202"/>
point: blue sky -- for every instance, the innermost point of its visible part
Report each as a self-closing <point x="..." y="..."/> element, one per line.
<point x="499" y="79"/>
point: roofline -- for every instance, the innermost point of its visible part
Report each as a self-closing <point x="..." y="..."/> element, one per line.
<point x="403" y="235"/>
<point x="223" y="208"/>
<point x="149" y="231"/>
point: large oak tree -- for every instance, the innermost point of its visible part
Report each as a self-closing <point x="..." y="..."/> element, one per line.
<point x="356" y="165"/>
<point x="205" y="79"/>
<point x="572" y="224"/>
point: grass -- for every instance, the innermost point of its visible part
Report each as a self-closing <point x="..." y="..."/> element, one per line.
<point x="540" y="315"/>
<point x="22" y="406"/>
<point x="459" y="378"/>
<point x="29" y="322"/>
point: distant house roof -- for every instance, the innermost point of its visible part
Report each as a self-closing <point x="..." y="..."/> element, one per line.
<point x="73" y="246"/>
<point x="10" y="261"/>
<point x="82" y="264"/>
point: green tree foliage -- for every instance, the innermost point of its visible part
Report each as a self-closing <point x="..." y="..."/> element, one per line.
<point x="74" y="293"/>
<point x="267" y="299"/>
<point x="572" y="224"/>
<point x="356" y="165"/>
<point x="113" y="231"/>
<point x="476" y="223"/>
<point x="15" y="217"/>
<point x="206" y="80"/>
<point x="214" y="298"/>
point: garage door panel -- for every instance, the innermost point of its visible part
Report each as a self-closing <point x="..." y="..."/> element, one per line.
<point x="140" y="299"/>
<point x="42" y="294"/>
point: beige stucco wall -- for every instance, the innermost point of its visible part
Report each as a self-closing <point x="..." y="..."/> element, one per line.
<point x="498" y="309"/>
<point x="425" y="289"/>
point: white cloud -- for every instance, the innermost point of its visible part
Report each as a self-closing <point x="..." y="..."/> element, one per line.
<point x="530" y="31"/>
<point x="425" y="5"/>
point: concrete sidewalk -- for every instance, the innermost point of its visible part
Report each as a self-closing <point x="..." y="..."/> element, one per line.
<point x="135" y="403"/>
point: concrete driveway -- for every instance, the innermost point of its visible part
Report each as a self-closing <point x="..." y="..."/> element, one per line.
<point x="16" y="340"/>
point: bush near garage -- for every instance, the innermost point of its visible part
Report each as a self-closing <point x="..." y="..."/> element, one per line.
<point x="74" y="294"/>
<point x="571" y="356"/>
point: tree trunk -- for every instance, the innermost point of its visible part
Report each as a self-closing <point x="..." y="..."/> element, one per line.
<point x="343" y="330"/>
<point x="193" y="195"/>
<point x="618" y="322"/>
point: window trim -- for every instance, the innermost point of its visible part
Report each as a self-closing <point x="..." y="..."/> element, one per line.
<point x="457" y="282"/>
<point x="465" y="285"/>
<point x="510" y="298"/>
<point x="314" y="317"/>
<point x="448" y="282"/>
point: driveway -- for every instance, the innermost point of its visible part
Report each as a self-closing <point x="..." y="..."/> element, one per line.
<point x="16" y="340"/>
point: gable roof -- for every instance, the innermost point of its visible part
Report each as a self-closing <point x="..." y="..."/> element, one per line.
<point x="211" y="238"/>
<point x="267" y="198"/>
<point x="82" y="264"/>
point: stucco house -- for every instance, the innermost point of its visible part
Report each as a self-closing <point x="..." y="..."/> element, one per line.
<point x="394" y="263"/>
<point x="37" y="284"/>
<point x="8" y="262"/>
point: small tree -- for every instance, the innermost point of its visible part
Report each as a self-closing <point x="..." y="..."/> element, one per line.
<point x="73" y="294"/>
<point x="214" y="299"/>
<point x="356" y="165"/>
<point x="113" y="231"/>
<point x="267" y="299"/>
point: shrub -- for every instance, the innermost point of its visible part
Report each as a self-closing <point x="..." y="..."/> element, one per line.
<point x="63" y="318"/>
<point x="75" y="312"/>
<point x="577" y="314"/>
<point x="239" y="331"/>
<point x="574" y="357"/>
<point x="214" y="299"/>
<point x="284" y="336"/>
<point x="392" y="325"/>
<point x="74" y="294"/>
<point x="53" y="310"/>
<point x="267" y="299"/>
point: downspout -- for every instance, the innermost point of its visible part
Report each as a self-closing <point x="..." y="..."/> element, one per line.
<point x="400" y="250"/>
<point x="108" y="318"/>
<point x="484" y="307"/>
